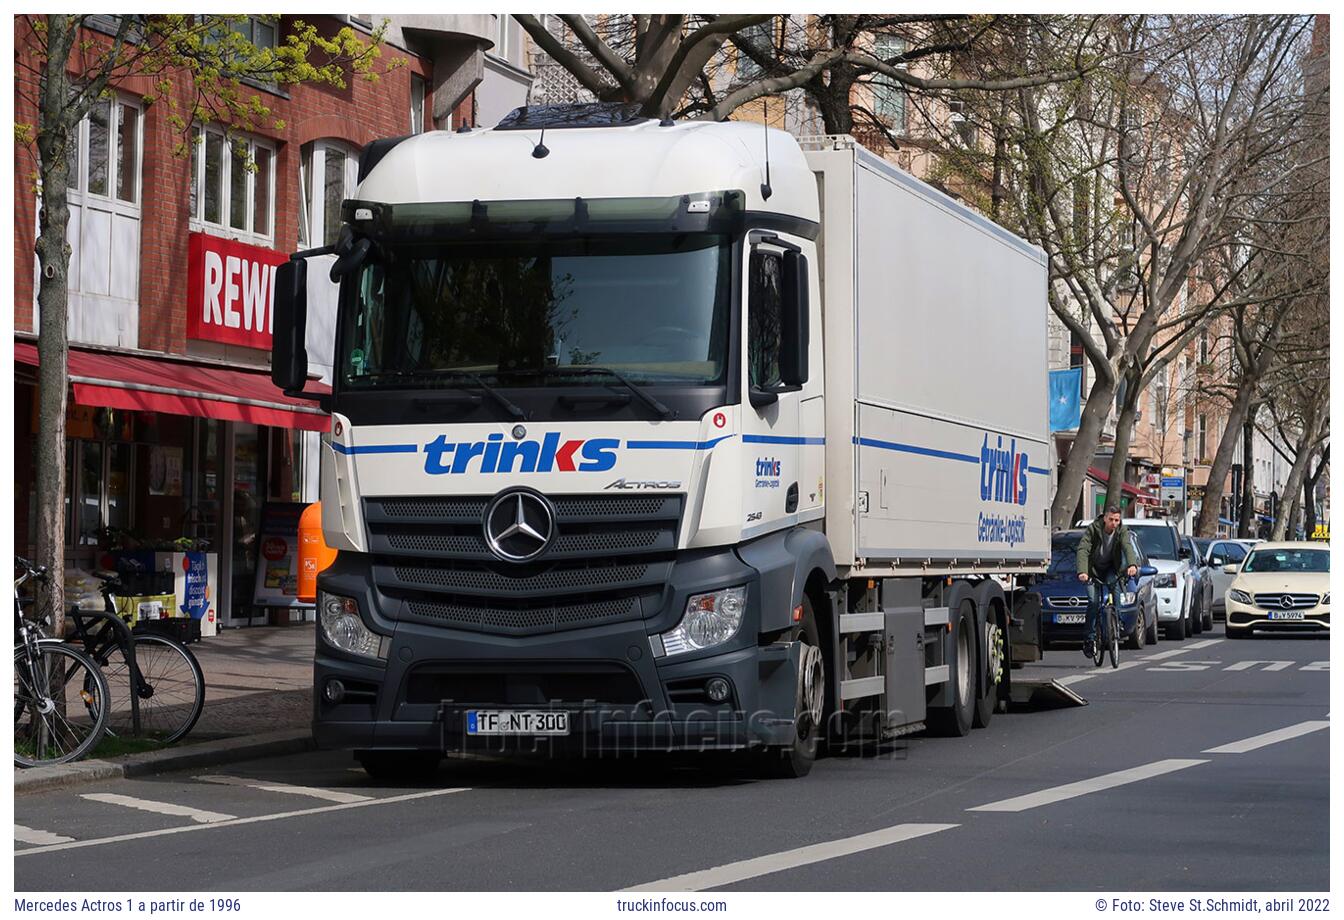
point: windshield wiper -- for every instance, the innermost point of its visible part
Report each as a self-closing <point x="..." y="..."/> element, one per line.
<point x="504" y="402"/>
<point x="586" y="370"/>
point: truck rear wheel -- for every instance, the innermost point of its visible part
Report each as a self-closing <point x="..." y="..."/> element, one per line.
<point x="795" y="760"/>
<point x="956" y="720"/>
<point x="987" y="696"/>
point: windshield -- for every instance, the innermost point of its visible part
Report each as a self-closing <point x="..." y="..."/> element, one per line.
<point x="655" y="308"/>
<point x="1288" y="560"/>
<point x="1064" y="554"/>
<point x="1158" y="542"/>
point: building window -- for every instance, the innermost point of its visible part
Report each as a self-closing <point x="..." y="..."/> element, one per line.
<point x="501" y="49"/>
<point x="327" y="174"/>
<point x="888" y="96"/>
<point x="1204" y="347"/>
<point x="761" y="37"/>
<point x="417" y="104"/>
<point x="1201" y="437"/>
<point x="232" y="185"/>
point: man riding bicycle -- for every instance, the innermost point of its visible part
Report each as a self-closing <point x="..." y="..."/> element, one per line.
<point x="1104" y="551"/>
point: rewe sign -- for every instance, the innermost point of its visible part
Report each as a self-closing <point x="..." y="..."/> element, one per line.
<point x="230" y="291"/>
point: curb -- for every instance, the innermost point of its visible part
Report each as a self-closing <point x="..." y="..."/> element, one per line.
<point x="209" y="753"/>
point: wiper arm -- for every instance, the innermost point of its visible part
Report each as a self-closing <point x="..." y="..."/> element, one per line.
<point x="504" y="402"/>
<point x="588" y="369"/>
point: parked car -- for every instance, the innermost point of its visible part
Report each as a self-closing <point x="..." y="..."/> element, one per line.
<point x="1219" y="554"/>
<point x="1280" y="586"/>
<point x="1201" y="587"/>
<point x="1064" y="599"/>
<point x="1162" y="546"/>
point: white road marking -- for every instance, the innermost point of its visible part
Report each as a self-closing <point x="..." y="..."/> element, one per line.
<point x="1205" y="643"/>
<point x="1269" y="665"/>
<point x="28" y="835"/>
<point x="329" y="795"/>
<point x="234" y="822"/>
<point x="791" y="859"/>
<point x="1134" y="663"/>
<point x="1268" y="738"/>
<point x="159" y="808"/>
<point x="1086" y="786"/>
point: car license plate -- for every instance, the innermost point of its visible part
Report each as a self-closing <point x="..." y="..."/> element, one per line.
<point x="1286" y="615"/>
<point x="516" y="722"/>
<point x="1063" y="618"/>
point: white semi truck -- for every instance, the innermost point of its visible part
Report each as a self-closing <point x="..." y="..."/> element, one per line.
<point x="669" y="436"/>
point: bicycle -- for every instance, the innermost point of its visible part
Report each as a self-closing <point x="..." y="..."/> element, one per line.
<point x="60" y="695"/>
<point x="165" y="687"/>
<point x="1108" y="627"/>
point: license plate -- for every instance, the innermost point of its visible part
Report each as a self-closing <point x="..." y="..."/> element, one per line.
<point x="516" y="722"/>
<point x="1286" y="615"/>
<point x="1069" y="618"/>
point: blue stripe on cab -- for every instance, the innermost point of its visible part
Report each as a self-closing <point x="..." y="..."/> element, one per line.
<point x="675" y="445"/>
<point x="778" y="439"/>
<point x="374" y="448"/>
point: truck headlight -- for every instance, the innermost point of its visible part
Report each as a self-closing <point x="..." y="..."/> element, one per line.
<point x="710" y="619"/>
<point x="1165" y="581"/>
<point x="1241" y="597"/>
<point x="343" y="628"/>
<point x="1127" y="598"/>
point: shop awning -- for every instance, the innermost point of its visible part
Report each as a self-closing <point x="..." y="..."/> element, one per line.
<point x="1139" y="495"/>
<point x="149" y="384"/>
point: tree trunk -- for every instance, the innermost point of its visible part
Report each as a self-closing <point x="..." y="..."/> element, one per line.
<point x="1124" y="436"/>
<point x="53" y="256"/>
<point x="1207" y="524"/>
<point x="1081" y="453"/>
<point x="1293" y="488"/>
<point x="1246" y="517"/>
<point x="1310" y="494"/>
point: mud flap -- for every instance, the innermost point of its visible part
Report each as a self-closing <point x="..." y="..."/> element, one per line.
<point x="1024" y="632"/>
<point x="772" y="723"/>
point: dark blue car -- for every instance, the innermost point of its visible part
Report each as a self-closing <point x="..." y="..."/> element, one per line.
<point x="1064" y="598"/>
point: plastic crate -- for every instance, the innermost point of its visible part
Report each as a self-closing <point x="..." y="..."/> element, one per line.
<point x="184" y="629"/>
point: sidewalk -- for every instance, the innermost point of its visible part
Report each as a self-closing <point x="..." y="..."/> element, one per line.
<point x="258" y="702"/>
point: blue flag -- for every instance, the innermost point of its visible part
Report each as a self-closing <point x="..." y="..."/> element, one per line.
<point x="1066" y="399"/>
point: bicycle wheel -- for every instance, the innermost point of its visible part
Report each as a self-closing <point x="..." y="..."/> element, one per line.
<point x="172" y="694"/>
<point x="60" y="705"/>
<point x="1099" y="641"/>
<point x="1113" y="642"/>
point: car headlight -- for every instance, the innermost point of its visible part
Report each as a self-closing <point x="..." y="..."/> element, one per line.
<point x="1127" y="598"/>
<point x="1165" y="581"/>
<point x="710" y="619"/>
<point x="1241" y="597"/>
<point x="1325" y="600"/>
<point x="343" y="628"/>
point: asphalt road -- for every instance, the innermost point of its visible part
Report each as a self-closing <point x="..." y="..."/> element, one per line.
<point x="1200" y="765"/>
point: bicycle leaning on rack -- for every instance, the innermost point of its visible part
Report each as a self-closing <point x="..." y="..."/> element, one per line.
<point x="60" y="695"/>
<point x="157" y="689"/>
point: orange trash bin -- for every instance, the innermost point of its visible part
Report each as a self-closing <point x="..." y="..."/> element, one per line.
<point x="314" y="554"/>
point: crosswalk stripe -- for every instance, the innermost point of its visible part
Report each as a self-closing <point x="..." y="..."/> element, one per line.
<point x="29" y="835"/>
<point x="1204" y="643"/>
<point x="791" y="859"/>
<point x="1086" y="786"/>
<point x="1258" y="741"/>
<point x="198" y="815"/>
<point x="329" y="795"/>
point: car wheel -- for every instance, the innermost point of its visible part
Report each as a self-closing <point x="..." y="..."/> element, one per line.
<point x="1208" y="616"/>
<point x="1154" y="634"/>
<point x="1135" y="639"/>
<point x="1196" y="621"/>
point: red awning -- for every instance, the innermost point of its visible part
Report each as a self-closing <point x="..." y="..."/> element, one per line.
<point x="149" y="384"/>
<point x="1142" y="497"/>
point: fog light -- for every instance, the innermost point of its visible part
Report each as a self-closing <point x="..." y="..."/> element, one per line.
<point x="334" y="691"/>
<point x="717" y="689"/>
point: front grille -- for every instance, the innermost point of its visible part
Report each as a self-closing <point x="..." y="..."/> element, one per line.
<point x="1069" y="603"/>
<point x="1296" y="601"/>
<point x="609" y="560"/>
<point x="523" y="684"/>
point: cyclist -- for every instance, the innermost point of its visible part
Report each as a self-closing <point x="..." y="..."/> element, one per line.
<point x="1103" y="552"/>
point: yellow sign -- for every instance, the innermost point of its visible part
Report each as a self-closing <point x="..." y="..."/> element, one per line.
<point x="1322" y="532"/>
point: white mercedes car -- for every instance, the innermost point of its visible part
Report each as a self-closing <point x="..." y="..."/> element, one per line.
<point x="1280" y="586"/>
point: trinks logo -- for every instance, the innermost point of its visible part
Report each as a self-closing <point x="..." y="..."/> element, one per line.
<point x="495" y="455"/>
<point x="1003" y="473"/>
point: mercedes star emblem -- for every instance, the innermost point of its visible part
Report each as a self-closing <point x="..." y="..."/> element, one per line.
<point x="1286" y="602"/>
<point x="519" y="525"/>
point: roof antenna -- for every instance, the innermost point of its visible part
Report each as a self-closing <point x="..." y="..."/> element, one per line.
<point x="541" y="150"/>
<point x="766" y="191"/>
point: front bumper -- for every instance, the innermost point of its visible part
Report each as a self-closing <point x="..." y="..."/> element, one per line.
<point x="1248" y="616"/>
<point x="1169" y="602"/>
<point x="619" y="697"/>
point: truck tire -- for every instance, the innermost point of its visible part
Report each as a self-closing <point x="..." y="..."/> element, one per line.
<point x="987" y="691"/>
<point x="399" y="766"/>
<point x="955" y="721"/>
<point x="794" y="761"/>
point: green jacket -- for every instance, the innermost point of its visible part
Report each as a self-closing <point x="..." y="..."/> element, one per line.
<point x="1124" y="555"/>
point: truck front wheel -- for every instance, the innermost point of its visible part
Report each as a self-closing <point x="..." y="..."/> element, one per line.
<point x="795" y="760"/>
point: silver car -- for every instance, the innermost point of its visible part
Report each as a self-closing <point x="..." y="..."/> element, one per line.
<point x="1219" y="554"/>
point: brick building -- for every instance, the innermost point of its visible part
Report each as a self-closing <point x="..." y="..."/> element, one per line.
<point x="175" y="432"/>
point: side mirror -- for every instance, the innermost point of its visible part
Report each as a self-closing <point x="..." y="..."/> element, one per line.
<point x="1183" y="553"/>
<point x="1229" y="570"/>
<point x="289" y="352"/>
<point x="793" y="330"/>
<point x="1147" y="571"/>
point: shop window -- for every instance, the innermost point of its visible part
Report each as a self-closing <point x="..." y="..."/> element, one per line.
<point x="232" y="185"/>
<point x="327" y="173"/>
<point x="104" y="227"/>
